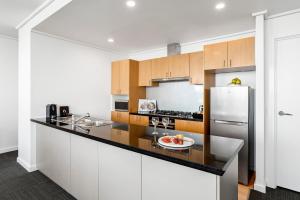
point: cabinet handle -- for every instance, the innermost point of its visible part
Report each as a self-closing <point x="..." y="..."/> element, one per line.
<point x="224" y="63"/>
<point x="170" y="74"/>
<point x="166" y="74"/>
<point x="230" y="62"/>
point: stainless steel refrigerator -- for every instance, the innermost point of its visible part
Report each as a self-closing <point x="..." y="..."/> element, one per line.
<point x="232" y="115"/>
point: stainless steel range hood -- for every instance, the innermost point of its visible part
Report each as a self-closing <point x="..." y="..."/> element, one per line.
<point x="174" y="49"/>
<point x="171" y="79"/>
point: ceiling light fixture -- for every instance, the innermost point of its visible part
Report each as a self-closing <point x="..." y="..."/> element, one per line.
<point x="110" y="40"/>
<point x="220" y="6"/>
<point x="130" y="3"/>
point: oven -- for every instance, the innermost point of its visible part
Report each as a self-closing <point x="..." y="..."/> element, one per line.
<point x="121" y="105"/>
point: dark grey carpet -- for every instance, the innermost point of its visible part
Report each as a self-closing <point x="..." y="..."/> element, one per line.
<point x="275" y="194"/>
<point x="17" y="184"/>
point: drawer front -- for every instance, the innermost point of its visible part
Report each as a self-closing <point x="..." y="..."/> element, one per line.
<point x="114" y="116"/>
<point x="139" y="120"/>
<point x="189" y="126"/>
<point x="122" y="117"/>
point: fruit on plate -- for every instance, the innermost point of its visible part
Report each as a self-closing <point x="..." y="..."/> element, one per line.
<point x="175" y="140"/>
<point x="180" y="139"/>
<point x="166" y="140"/>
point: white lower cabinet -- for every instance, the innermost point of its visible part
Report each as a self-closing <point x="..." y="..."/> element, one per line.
<point x="163" y="180"/>
<point x="120" y="174"/>
<point x="53" y="155"/>
<point x="84" y="168"/>
<point x="91" y="170"/>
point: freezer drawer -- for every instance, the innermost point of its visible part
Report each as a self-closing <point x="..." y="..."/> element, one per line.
<point x="230" y="103"/>
<point x="238" y="131"/>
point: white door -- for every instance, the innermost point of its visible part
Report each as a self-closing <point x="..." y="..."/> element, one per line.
<point x="288" y="113"/>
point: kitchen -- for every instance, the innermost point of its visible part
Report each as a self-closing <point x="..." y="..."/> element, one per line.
<point x="182" y="108"/>
<point x="131" y="107"/>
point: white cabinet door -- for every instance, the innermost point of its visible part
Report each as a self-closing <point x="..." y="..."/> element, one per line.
<point x="288" y="113"/>
<point x="84" y="168"/>
<point x="162" y="180"/>
<point x="120" y="174"/>
<point x="42" y="150"/>
<point x="53" y="155"/>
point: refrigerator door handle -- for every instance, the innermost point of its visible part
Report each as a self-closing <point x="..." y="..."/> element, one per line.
<point x="230" y="123"/>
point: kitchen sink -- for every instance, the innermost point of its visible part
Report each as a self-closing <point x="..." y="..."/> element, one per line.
<point x="83" y="122"/>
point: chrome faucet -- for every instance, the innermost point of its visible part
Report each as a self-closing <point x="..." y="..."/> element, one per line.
<point x="87" y="115"/>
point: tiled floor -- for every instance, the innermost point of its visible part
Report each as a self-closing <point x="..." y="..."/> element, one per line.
<point x="17" y="184"/>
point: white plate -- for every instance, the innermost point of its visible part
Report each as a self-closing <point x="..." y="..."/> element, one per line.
<point x="188" y="142"/>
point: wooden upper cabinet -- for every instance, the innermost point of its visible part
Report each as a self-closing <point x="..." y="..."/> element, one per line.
<point x="179" y="66"/>
<point x="236" y="53"/>
<point x="241" y="53"/>
<point x="115" y="78"/>
<point x="215" y="56"/>
<point x="196" y="68"/>
<point x="120" y="77"/>
<point x="145" y="73"/>
<point x="124" y="77"/>
<point x="160" y="68"/>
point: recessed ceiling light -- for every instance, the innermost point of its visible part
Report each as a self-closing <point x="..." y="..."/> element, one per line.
<point x="110" y="40"/>
<point x="130" y="3"/>
<point x="220" y="6"/>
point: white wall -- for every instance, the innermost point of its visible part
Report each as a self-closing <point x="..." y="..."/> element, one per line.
<point x="247" y="78"/>
<point x="9" y="94"/>
<point x="179" y="96"/>
<point x="67" y="73"/>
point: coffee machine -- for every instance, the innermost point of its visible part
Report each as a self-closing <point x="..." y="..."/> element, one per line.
<point x="51" y="111"/>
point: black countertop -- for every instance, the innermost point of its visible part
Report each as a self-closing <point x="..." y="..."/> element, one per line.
<point x="210" y="153"/>
<point x="173" y="117"/>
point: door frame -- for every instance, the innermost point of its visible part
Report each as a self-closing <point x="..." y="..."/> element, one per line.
<point x="277" y="29"/>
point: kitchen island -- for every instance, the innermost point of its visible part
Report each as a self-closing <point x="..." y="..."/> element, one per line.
<point x="121" y="161"/>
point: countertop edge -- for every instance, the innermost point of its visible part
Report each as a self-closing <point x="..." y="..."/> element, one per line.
<point x="211" y="170"/>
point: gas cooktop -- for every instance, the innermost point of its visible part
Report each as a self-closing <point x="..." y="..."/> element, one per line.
<point x="172" y="113"/>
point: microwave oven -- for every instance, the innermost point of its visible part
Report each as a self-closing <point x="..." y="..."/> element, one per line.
<point x="121" y="105"/>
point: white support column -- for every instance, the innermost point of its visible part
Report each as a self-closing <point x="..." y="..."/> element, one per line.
<point x="260" y="183"/>
<point x="26" y="137"/>
<point x="24" y="103"/>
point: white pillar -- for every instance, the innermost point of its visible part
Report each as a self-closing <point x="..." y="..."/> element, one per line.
<point x="24" y="95"/>
<point x="260" y="183"/>
<point x="26" y="136"/>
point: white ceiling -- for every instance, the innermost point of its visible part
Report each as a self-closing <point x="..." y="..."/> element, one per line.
<point x="154" y="23"/>
<point x="12" y="12"/>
